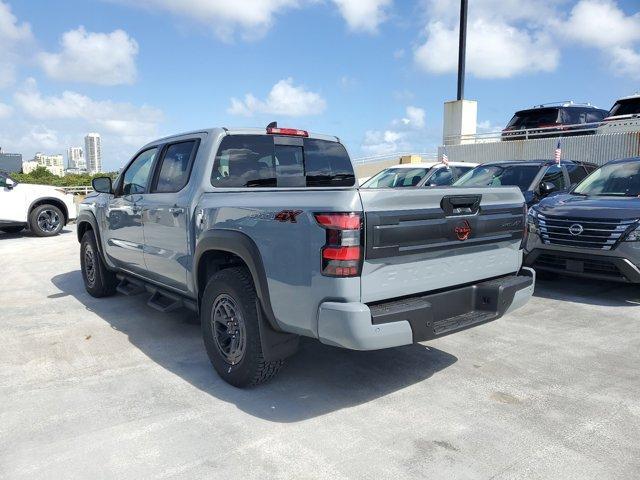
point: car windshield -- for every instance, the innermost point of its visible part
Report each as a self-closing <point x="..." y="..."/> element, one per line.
<point x="499" y="176"/>
<point x="534" y="118"/>
<point x="615" y="179"/>
<point x="629" y="106"/>
<point x="396" y="177"/>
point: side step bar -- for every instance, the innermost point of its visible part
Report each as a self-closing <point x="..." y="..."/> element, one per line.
<point x="161" y="299"/>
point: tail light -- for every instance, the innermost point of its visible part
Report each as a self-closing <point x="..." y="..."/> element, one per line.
<point x="342" y="252"/>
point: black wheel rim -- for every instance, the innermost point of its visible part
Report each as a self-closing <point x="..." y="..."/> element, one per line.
<point x="89" y="265"/>
<point x="228" y="329"/>
<point x="48" y="220"/>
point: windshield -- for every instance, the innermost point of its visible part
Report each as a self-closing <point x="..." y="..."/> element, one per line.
<point x="629" y="106"/>
<point x="499" y="176"/>
<point x="617" y="179"/>
<point x="396" y="177"/>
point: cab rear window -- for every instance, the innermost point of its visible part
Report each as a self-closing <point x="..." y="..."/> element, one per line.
<point x="254" y="161"/>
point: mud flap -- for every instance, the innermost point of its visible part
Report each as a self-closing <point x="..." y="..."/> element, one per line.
<point x="275" y="345"/>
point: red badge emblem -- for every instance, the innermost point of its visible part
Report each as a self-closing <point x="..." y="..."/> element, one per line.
<point x="463" y="231"/>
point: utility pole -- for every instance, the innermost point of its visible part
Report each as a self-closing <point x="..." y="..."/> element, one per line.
<point x="462" y="47"/>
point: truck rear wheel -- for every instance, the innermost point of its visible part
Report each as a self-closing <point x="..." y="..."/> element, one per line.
<point x="98" y="280"/>
<point x="46" y="220"/>
<point x="229" y="320"/>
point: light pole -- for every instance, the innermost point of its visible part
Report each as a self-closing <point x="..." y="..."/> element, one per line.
<point x="462" y="47"/>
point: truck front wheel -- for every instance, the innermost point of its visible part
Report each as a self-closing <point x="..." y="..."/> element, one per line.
<point x="99" y="281"/>
<point x="229" y="320"/>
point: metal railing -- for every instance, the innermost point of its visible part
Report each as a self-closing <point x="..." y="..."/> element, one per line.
<point x="578" y="129"/>
<point x="597" y="148"/>
<point x="430" y="156"/>
<point x="84" y="190"/>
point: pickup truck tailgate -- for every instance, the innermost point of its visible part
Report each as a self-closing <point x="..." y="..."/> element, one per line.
<point x="425" y="239"/>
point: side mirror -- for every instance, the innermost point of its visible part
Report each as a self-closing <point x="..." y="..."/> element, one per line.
<point x="546" y="188"/>
<point x="8" y="183"/>
<point x="102" y="184"/>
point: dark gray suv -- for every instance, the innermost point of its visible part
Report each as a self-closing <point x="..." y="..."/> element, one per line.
<point x="593" y="231"/>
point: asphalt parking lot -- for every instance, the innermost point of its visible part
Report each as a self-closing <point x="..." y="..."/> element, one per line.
<point x="109" y="388"/>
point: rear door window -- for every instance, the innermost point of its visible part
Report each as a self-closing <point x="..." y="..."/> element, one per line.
<point x="258" y="161"/>
<point x="175" y="167"/>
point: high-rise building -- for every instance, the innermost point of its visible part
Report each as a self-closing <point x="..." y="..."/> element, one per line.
<point x="10" y="162"/>
<point x="93" y="152"/>
<point x="75" y="159"/>
<point x="53" y="163"/>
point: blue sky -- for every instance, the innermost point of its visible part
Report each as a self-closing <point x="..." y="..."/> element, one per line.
<point x="373" y="72"/>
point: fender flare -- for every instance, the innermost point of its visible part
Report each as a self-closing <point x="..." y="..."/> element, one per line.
<point x="243" y="246"/>
<point x="88" y="217"/>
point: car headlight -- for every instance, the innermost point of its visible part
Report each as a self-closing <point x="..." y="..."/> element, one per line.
<point x="633" y="235"/>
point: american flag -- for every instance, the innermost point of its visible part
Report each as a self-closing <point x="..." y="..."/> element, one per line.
<point x="445" y="159"/>
<point x="558" y="153"/>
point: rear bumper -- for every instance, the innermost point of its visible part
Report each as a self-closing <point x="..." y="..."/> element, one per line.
<point x="404" y="321"/>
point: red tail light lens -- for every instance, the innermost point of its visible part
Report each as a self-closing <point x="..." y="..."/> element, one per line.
<point x="342" y="253"/>
<point x="339" y="221"/>
<point x="287" y="131"/>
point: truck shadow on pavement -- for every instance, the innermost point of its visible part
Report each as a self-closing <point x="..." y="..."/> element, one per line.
<point x="590" y="292"/>
<point x="319" y="379"/>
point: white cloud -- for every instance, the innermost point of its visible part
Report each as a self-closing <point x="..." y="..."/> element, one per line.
<point x="603" y="25"/>
<point x="378" y="142"/>
<point x="133" y="125"/>
<point x="415" y="117"/>
<point x="14" y="36"/>
<point x="363" y="15"/>
<point x="285" y="98"/>
<point x="495" y="49"/>
<point x="5" y="110"/>
<point x="252" y="17"/>
<point x="101" y="58"/>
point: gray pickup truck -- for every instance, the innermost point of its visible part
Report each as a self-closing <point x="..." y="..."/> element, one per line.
<point x="265" y="234"/>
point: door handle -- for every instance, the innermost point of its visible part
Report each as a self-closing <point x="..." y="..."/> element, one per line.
<point x="176" y="211"/>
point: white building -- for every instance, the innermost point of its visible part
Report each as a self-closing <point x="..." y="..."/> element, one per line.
<point x="75" y="159"/>
<point x="93" y="152"/>
<point x="29" y="166"/>
<point x="53" y="163"/>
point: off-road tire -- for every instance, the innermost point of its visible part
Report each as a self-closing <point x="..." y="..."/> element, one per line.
<point x="16" y="229"/>
<point x="36" y="223"/>
<point x="236" y="284"/>
<point x="99" y="281"/>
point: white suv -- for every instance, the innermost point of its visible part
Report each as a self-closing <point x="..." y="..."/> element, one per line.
<point x="44" y="209"/>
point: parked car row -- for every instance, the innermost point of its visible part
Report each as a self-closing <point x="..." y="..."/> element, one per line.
<point x="568" y="118"/>
<point x="583" y="220"/>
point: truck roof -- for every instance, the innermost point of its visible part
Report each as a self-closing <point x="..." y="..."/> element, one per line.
<point x="239" y="131"/>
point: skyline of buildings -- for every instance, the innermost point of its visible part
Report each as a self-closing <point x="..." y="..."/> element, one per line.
<point x="78" y="161"/>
